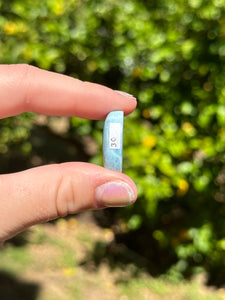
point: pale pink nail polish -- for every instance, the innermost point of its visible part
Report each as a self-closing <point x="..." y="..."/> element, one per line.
<point x="125" y="94"/>
<point x="115" y="193"/>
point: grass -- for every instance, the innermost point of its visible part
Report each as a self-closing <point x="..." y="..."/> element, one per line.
<point x="14" y="259"/>
<point x="158" y="289"/>
<point x="58" y="260"/>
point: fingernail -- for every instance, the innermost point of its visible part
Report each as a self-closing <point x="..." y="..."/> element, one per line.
<point x="114" y="194"/>
<point x="125" y="94"/>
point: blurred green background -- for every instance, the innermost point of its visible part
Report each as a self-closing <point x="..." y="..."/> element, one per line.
<point x="170" y="55"/>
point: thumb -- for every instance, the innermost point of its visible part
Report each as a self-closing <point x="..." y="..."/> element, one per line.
<point x="45" y="193"/>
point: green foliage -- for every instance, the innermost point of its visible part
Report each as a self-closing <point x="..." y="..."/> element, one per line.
<point x="15" y="259"/>
<point x="170" y="55"/>
<point x="14" y="135"/>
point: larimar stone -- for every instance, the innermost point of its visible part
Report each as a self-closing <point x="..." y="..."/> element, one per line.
<point x="113" y="141"/>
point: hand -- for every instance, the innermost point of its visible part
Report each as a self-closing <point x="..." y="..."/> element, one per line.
<point x="48" y="192"/>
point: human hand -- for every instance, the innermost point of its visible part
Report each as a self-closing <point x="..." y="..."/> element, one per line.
<point x="48" y="192"/>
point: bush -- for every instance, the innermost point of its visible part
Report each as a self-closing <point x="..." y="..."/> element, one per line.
<point x="170" y="55"/>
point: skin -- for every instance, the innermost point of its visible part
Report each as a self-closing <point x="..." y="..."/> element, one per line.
<point x="48" y="192"/>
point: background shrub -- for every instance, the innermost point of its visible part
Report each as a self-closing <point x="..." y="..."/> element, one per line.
<point x="170" y="55"/>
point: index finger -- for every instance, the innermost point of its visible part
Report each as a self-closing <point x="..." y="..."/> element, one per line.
<point x="26" y="88"/>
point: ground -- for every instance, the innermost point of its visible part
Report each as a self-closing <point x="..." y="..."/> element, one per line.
<point x="67" y="259"/>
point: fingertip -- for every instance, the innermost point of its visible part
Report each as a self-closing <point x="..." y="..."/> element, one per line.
<point x="114" y="194"/>
<point x="115" y="190"/>
<point x="105" y="100"/>
<point x="130" y="100"/>
<point x="132" y="185"/>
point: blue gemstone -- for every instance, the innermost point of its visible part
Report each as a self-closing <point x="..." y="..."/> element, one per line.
<point x="113" y="141"/>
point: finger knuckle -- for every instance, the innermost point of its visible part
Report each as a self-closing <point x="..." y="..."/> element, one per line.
<point x="27" y="75"/>
<point x="65" y="196"/>
<point x="21" y="77"/>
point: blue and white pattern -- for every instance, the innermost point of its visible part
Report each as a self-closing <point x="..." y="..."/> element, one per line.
<point x="113" y="141"/>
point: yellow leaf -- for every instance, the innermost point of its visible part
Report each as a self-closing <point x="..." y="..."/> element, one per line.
<point x="10" y="28"/>
<point x="188" y="128"/>
<point x="149" y="141"/>
<point x="72" y="223"/>
<point x="68" y="272"/>
<point x="14" y="27"/>
<point x="183" y="187"/>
